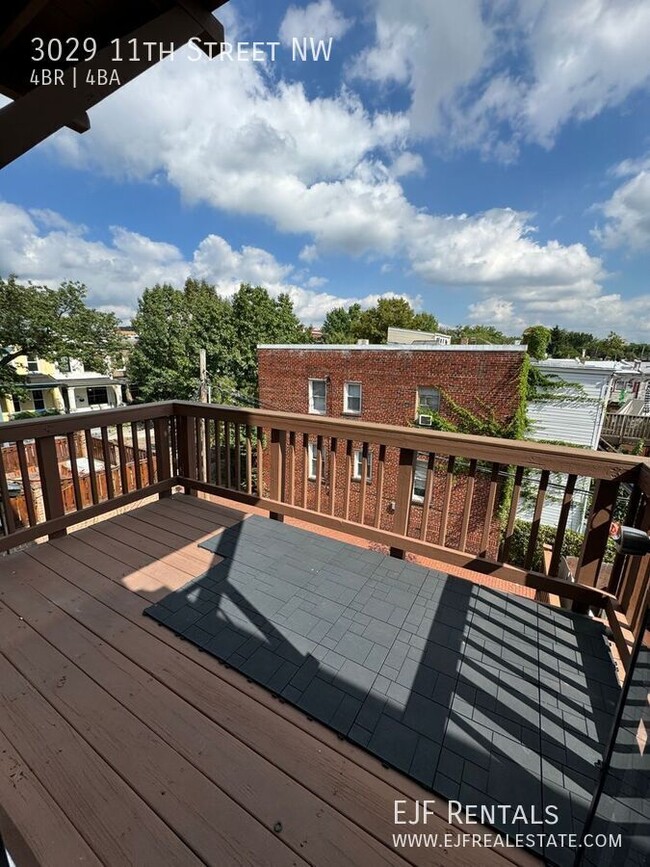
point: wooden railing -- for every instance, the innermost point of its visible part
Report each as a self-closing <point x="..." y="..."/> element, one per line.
<point x="450" y="497"/>
<point x="626" y="427"/>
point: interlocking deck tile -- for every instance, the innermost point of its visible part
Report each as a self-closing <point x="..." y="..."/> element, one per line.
<point x="477" y="694"/>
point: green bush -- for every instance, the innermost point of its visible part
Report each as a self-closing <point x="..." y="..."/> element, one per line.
<point x="33" y="413"/>
<point x="571" y="546"/>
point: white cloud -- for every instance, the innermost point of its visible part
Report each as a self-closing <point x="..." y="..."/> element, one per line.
<point x="627" y="211"/>
<point x="556" y="63"/>
<point x="320" y="20"/>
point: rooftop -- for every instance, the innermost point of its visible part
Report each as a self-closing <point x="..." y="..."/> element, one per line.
<point x="389" y="347"/>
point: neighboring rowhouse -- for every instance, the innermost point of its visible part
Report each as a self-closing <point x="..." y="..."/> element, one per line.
<point x="393" y="384"/>
<point x="63" y="388"/>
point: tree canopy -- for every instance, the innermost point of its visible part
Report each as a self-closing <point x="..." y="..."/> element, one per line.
<point x="174" y="324"/>
<point x="537" y="338"/>
<point x="347" y="325"/>
<point x="52" y="324"/>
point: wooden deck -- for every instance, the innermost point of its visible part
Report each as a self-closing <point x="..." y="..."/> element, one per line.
<point x="121" y="744"/>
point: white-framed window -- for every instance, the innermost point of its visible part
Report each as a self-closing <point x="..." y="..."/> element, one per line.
<point x="352" y="398"/>
<point x="420" y="479"/>
<point x="318" y="396"/>
<point x="357" y="461"/>
<point x="428" y="398"/>
<point x="314" y="456"/>
<point x="39" y="400"/>
<point x="32" y="365"/>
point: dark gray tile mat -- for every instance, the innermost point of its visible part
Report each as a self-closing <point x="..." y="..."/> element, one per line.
<point x="480" y="696"/>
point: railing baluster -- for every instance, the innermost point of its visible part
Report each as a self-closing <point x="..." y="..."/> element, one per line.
<point x="121" y="450"/>
<point x="90" y="457"/>
<point x="9" y="522"/>
<point x="332" y="474"/>
<point x="428" y="493"/>
<point x="27" y="487"/>
<point x="305" y="468"/>
<point x="74" y="469"/>
<point x="379" y="494"/>
<point x="137" y="469"/>
<point x="237" y="456"/>
<point x="489" y="509"/>
<point x="446" y="500"/>
<point x="249" y="460"/>
<point x="537" y="519"/>
<point x="218" y="450"/>
<point x="174" y="445"/>
<point x="226" y="436"/>
<point x="291" y="468"/>
<point x="348" y="478"/>
<point x="595" y="541"/>
<point x="108" y="468"/>
<point x="150" y="466"/>
<point x="363" y="482"/>
<point x="467" y="510"/>
<point x="567" y="500"/>
<point x="260" y="462"/>
<point x="319" y="470"/>
<point x="404" y="494"/>
<point x="187" y="451"/>
<point x="276" y="481"/>
<point x="208" y="451"/>
<point x="163" y="458"/>
<point x="512" y="515"/>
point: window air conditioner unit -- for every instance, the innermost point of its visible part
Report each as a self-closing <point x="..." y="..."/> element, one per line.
<point x="425" y="420"/>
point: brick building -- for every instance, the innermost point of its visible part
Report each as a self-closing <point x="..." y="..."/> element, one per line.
<point x="390" y="384"/>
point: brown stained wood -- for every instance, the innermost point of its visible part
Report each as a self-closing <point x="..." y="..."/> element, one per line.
<point x="560" y="532"/>
<point x="149" y="447"/>
<point x="632" y="514"/>
<point x="37" y="831"/>
<point x="319" y="471"/>
<point x="310" y="827"/>
<point x="446" y="499"/>
<point x="260" y="461"/>
<point x="512" y="515"/>
<point x="5" y="500"/>
<point x="363" y="483"/>
<point x="628" y="593"/>
<point x="163" y="458"/>
<point x="291" y="468"/>
<point x="597" y="533"/>
<point x="173" y="438"/>
<point x="537" y="519"/>
<point x="48" y="468"/>
<point x="310" y="754"/>
<point x="467" y="510"/>
<point x="90" y="457"/>
<point x="349" y="467"/>
<point x="379" y="485"/>
<point x="27" y="485"/>
<point x="137" y="469"/>
<point x="249" y="460"/>
<point x="121" y="450"/>
<point x="332" y="474"/>
<point x="489" y="509"/>
<point x="238" y="456"/>
<point x="208" y="450"/>
<point x="108" y="474"/>
<point x="638" y="612"/>
<point x="226" y="437"/>
<point x="621" y="632"/>
<point x="428" y="494"/>
<point x="217" y="451"/>
<point x="78" y="779"/>
<point x="177" y="792"/>
<point x="74" y="469"/>
<point x="305" y="469"/>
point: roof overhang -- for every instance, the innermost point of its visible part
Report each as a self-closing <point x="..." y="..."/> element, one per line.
<point x="42" y="106"/>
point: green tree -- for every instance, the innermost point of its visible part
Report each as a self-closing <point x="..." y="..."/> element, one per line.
<point x="52" y="324"/>
<point x="613" y="346"/>
<point x="537" y="338"/>
<point x="479" y="334"/>
<point x="373" y="323"/>
<point x="339" y="325"/>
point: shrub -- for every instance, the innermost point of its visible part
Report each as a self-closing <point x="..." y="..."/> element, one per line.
<point x="571" y="546"/>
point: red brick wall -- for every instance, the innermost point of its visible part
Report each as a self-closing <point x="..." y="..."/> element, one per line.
<point x="478" y="381"/>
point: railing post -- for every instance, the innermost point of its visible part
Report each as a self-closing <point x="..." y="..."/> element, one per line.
<point x="187" y="451"/>
<point x="48" y="469"/>
<point x="163" y="463"/>
<point x="597" y="534"/>
<point x="277" y="469"/>
<point x="403" y="498"/>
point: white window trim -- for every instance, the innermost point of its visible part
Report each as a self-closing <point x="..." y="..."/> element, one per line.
<point x="346" y="397"/>
<point x="427" y="388"/>
<point x="357" y="458"/>
<point x="313" y="453"/>
<point x="416" y="498"/>
<point x="310" y="396"/>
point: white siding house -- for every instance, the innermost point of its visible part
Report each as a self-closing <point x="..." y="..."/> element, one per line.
<point x="576" y="419"/>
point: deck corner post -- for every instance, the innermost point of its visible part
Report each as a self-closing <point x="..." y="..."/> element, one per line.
<point x="163" y="460"/>
<point x="187" y="451"/>
<point x="48" y="468"/>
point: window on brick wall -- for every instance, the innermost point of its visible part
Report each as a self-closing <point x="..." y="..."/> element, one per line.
<point x="318" y="396"/>
<point x="352" y="398"/>
<point x="357" y="465"/>
<point x="420" y="478"/>
<point x="428" y="398"/>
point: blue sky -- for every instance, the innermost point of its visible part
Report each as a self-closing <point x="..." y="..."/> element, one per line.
<point x="490" y="161"/>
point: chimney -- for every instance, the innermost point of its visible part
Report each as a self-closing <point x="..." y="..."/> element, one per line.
<point x="363" y="341"/>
